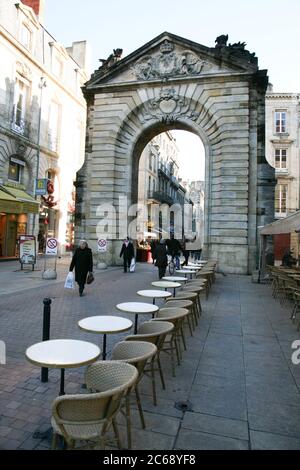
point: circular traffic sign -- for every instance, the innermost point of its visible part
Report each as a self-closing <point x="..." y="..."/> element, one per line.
<point x="52" y="243"/>
<point x="102" y="242"/>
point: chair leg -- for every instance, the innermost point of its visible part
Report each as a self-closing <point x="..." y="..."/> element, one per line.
<point x="153" y="383"/>
<point x="183" y="338"/>
<point x="54" y="441"/>
<point x="161" y="373"/>
<point x="117" y="434"/>
<point x="128" y="421"/>
<point x="139" y="405"/>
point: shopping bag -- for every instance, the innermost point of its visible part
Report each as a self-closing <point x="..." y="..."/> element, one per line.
<point x="90" y="278"/>
<point x="69" y="284"/>
<point x="132" y="266"/>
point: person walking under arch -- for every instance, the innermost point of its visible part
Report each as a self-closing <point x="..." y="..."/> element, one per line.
<point x="127" y="251"/>
<point x="161" y="258"/>
<point x="83" y="262"/>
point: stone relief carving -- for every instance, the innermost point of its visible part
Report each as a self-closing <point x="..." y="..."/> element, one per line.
<point x="168" y="62"/>
<point x="24" y="70"/>
<point x="168" y="108"/>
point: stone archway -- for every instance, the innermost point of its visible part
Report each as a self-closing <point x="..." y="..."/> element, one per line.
<point x="172" y="83"/>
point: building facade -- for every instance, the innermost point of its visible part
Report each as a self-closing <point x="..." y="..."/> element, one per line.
<point x="42" y="127"/>
<point x="159" y="184"/>
<point x="283" y="153"/>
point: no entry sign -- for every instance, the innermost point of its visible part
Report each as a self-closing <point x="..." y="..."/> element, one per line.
<point x="51" y="246"/>
<point x="102" y="245"/>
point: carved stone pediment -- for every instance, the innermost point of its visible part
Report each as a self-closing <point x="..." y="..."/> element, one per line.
<point x="167" y="62"/>
<point x="169" y="56"/>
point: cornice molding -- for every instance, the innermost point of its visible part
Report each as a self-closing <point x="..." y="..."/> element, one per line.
<point x="282" y="96"/>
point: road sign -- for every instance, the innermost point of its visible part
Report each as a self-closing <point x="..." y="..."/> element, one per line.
<point x="41" y="187"/>
<point x="51" y="246"/>
<point x="102" y="245"/>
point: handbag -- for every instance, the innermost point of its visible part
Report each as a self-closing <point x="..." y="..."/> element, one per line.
<point x="132" y="266"/>
<point x="69" y="283"/>
<point x="90" y="278"/>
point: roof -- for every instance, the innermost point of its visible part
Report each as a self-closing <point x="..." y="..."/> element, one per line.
<point x="287" y="225"/>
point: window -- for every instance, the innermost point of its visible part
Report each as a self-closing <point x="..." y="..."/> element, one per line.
<point x="280" y="121"/>
<point x="150" y="161"/>
<point x="20" y="104"/>
<point x="149" y="183"/>
<point x="53" y="126"/>
<point x="280" y="159"/>
<point x="15" y="169"/>
<point x="281" y="198"/>
<point x="26" y="36"/>
<point x="57" y="67"/>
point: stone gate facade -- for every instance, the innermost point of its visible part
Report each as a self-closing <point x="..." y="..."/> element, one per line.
<point x="172" y="83"/>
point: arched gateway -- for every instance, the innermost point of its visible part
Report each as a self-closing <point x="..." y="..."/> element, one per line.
<point x="172" y="83"/>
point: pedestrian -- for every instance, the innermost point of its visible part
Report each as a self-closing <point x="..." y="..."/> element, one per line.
<point x="174" y="249"/>
<point x="288" y="260"/>
<point x="127" y="251"/>
<point x="161" y="258"/>
<point x="185" y="252"/>
<point x="153" y="245"/>
<point x="83" y="262"/>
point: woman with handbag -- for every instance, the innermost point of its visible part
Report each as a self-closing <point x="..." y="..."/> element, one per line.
<point x="83" y="262"/>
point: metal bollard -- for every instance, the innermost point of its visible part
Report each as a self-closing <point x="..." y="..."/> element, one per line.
<point x="46" y="332"/>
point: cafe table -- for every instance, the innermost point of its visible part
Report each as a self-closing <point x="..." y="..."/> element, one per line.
<point x="154" y="294"/>
<point x="62" y="354"/>
<point x="105" y="324"/>
<point x="137" y="308"/>
<point x="167" y="285"/>
<point x="175" y="278"/>
<point x="186" y="271"/>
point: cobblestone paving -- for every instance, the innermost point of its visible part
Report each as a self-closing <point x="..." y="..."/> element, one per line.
<point x="237" y="370"/>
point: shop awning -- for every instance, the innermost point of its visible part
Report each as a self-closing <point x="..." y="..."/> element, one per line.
<point x="17" y="201"/>
<point x="287" y="225"/>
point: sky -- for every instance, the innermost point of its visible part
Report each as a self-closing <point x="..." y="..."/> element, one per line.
<point x="270" y="28"/>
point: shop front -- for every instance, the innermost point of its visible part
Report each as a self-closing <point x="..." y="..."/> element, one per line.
<point x="15" y="206"/>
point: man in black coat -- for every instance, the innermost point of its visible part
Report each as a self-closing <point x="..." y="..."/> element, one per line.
<point x="161" y="258"/>
<point x="127" y="251"/>
<point x="83" y="262"/>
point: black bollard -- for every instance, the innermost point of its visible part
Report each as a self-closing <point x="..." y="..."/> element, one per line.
<point x="46" y="332"/>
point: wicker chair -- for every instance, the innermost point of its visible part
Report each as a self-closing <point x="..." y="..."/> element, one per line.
<point x="198" y="289"/>
<point x="188" y="295"/>
<point x="155" y="333"/>
<point x="137" y="353"/>
<point x="176" y="316"/>
<point x="184" y="304"/>
<point x="88" y="417"/>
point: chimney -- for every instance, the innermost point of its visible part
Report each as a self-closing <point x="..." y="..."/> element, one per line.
<point x="37" y="6"/>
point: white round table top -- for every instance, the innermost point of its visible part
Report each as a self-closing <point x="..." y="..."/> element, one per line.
<point x="165" y="284"/>
<point x="105" y="324"/>
<point x="154" y="293"/>
<point x="62" y="353"/>
<point x="137" y="307"/>
<point x="174" y="278"/>
<point x="185" y="271"/>
<point x="195" y="268"/>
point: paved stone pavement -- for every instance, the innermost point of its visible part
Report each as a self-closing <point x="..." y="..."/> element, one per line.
<point x="236" y="373"/>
